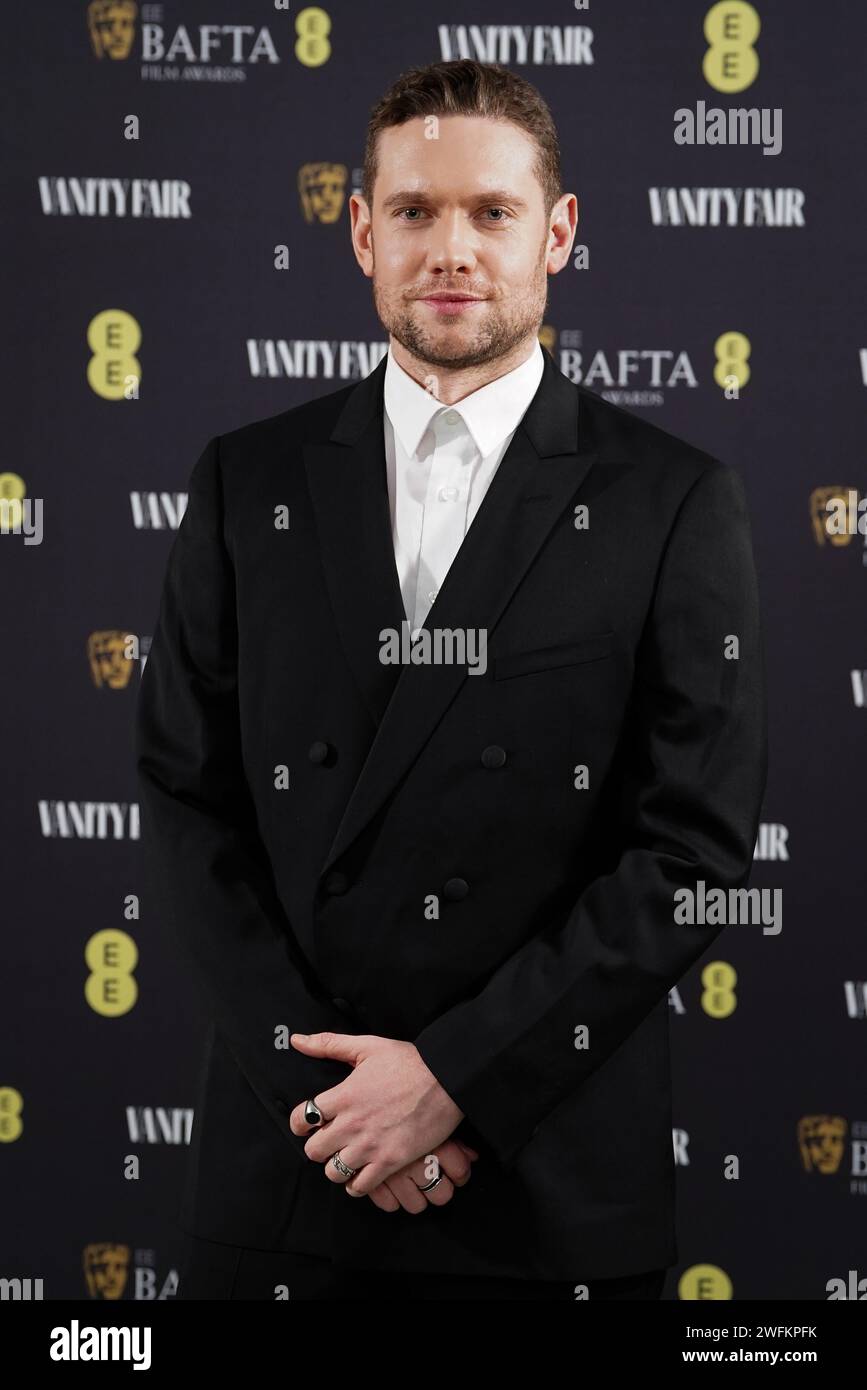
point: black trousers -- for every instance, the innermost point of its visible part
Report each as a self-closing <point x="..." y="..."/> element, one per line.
<point x="214" y="1271"/>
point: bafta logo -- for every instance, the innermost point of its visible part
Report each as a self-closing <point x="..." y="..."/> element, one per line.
<point x="548" y="338"/>
<point x="111" y="25"/>
<point x="108" y="663"/>
<point x="819" y="515"/>
<point x="821" y="1139"/>
<point x="322" y="187"/>
<point x="105" y="1269"/>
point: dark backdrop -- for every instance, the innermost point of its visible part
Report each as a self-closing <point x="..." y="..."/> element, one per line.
<point x="237" y="155"/>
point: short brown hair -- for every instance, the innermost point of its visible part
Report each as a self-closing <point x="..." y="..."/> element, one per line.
<point x="464" y="87"/>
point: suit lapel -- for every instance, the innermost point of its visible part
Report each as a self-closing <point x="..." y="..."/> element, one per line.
<point x="550" y="454"/>
<point x="348" y="486"/>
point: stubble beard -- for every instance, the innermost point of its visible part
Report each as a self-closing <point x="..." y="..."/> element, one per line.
<point x="502" y="327"/>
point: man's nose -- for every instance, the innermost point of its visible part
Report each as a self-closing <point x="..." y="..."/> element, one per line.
<point x="450" y="247"/>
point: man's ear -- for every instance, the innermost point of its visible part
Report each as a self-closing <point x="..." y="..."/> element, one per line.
<point x="362" y="232"/>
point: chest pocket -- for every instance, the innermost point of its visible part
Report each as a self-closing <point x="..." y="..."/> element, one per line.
<point x="592" y="648"/>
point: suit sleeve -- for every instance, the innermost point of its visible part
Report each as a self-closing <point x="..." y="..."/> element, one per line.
<point x="208" y="868"/>
<point x="694" y="778"/>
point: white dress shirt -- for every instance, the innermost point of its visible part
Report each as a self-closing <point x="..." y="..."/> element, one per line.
<point x="440" y="461"/>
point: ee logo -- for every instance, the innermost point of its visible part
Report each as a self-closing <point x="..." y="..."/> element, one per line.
<point x="110" y="989"/>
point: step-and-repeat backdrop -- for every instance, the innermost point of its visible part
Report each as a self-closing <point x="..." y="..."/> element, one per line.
<point x="178" y="185"/>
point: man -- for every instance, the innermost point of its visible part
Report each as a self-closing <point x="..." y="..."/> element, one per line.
<point x="457" y="682"/>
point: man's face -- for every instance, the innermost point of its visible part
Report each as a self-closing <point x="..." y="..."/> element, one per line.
<point x="472" y="221"/>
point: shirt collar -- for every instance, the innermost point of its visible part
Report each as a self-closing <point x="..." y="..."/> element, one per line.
<point x="490" y="413"/>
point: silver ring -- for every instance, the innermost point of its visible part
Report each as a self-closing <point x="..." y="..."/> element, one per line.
<point x="337" y="1162"/>
<point x="312" y="1113"/>
<point x="428" y="1187"/>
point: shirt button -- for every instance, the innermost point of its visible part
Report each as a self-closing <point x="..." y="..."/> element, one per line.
<point x="447" y="494"/>
<point x="336" y="883"/>
<point x="452" y="417"/>
<point x="432" y="595"/>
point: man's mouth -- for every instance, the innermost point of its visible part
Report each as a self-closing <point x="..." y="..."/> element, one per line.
<point x="451" y="303"/>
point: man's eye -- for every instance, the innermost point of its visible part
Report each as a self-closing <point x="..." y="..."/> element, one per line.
<point x="505" y="216"/>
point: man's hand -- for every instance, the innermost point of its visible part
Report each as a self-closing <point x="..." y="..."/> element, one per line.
<point x="452" y="1159"/>
<point x="390" y="1111"/>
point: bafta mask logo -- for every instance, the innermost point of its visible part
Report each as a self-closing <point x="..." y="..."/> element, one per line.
<point x="548" y="338"/>
<point x="105" y="1269"/>
<point x="111" y="25"/>
<point x="821" y="1139"/>
<point x="322" y="188"/>
<point x="819" y="515"/>
<point x="108" y="663"/>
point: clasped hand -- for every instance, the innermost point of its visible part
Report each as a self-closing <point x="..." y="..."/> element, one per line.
<point x="390" y="1119"/>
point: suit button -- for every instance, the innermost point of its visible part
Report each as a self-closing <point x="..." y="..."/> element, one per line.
<point x="318" y="751"/>
<point x="494" y="756"/>
<point x="336" y="883"/>
<point x="282" y="1107"/>
<point x="455" y="888"/>
<point x="341" y="1004"/>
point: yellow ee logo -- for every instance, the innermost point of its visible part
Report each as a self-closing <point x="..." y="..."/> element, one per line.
<point x="718" y="996"/>
<point x="731" y="63"/>
<point x="731" y="351"/>
<point x="701" y="1282"/>
<point x="313" y="27"/>
<point x="110" y="989"/>
<point x="114" y="371"/>
<point x="12" y="491"/>
<point x="11" y="1105"/>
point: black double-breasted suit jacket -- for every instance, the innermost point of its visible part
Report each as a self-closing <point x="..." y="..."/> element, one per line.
<point x="482" y="862"/>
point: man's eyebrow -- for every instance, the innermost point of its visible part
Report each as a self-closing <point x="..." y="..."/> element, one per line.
<point x="411" y="196"/>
